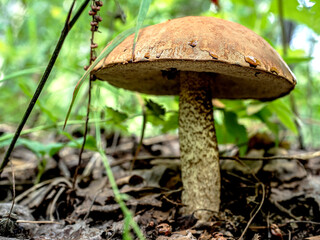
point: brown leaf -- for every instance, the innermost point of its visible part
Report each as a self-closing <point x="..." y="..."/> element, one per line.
<point x="131" y="180"/>
<point x="314" y="238"/>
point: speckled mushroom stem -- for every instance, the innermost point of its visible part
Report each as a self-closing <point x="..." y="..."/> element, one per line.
<point x="198" y="145"/>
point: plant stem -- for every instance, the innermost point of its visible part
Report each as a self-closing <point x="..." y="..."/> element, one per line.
<point x="67" y="27"/>
<point x="144" y="123"/>
<point x="84" y="137"/>
<point x="60" y="124"/>
<point x="285" y="42"/>
<point x="254" y="215"/>
<point x="117" y="195"/>
<point x="283" y="29"/>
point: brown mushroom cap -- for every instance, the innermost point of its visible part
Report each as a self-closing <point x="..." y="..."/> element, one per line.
<point x="242" y="64"/>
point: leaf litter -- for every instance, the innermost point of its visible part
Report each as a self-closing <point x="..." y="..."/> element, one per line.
<point x="289" y="199"/>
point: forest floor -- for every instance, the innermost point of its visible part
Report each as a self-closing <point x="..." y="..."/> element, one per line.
<point x="271" y="198"/>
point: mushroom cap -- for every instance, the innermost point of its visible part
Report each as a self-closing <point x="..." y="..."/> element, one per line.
<point x="239" y="63"/>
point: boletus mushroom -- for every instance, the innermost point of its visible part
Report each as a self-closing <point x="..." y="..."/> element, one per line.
<point x="198" y="58"/>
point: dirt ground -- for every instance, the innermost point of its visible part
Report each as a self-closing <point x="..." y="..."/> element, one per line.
<point x="263" y="196"/>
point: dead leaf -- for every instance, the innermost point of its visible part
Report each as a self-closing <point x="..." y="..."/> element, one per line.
<point x="77" y="231"/>
<point x="314" y="238"/>
<point x="132" y="180"/>
<point x="176" y="236"/>
<point x="286" y="170"/>
<point x="256" y="237"/>
<point x="164" y="229"/>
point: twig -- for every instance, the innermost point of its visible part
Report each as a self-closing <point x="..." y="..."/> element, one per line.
<point x="311" y="222"/>
<point x="254" y="215"/>
<point x="13" y="190"/>
<point x="92" y="203"/>
<point x="301" y="157"/>
<point x="67" y="27"/>
<point x="172" y="202"/>
<point x="284" y="224"/>
<point x="54" y="202"/>
<point x="38" y="222"/>
<point x="84" y="137"/>
<point x="310" y="121"/>
<point x="13" y="197"/>
<point x="292" y="157"/>
<point x="69" y="15"/>
<point x="95" y="8"/>
<point x="268" y="225"/>
<point x="283" y="209"/>
<point x="32" y="189"/>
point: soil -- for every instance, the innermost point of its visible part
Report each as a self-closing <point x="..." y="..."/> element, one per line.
<point x="271" y="198"/>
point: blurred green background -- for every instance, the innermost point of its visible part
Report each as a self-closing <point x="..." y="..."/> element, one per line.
<point x="29" y="31"/>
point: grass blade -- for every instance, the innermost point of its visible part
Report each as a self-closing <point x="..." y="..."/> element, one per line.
<point x="144" y="7"/>
<point x="102" y="55"/>
<point x="128" y="216"/>
<point x="21" y="73"/>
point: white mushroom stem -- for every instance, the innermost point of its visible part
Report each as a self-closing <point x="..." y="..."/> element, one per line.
<point x="198" y="145"/>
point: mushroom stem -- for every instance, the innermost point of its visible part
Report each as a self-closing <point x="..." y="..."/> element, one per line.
<point x="200" y="168"/>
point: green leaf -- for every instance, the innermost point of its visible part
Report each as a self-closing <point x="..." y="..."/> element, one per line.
<point x="143" y="10"/>
<point x="102" y="55"/>
<point x="171" y="123"/>
<point x="50" y="149"/>
<point x="236" y="130"/>
<point x="155" y="109"/>
<point x="284" y="114"/>
<point x="295" y="60"/>
<point x="91" y="143"/>
<point x="116" y="119"/>
<point x="155" y="112"/>
<point x="255" y="107"/>
<point x="117" y="116"/>
<point x="41" y="169"/>
<point x="39" y="148"/>
<point x="234" y="105"/>
<point x="264" y="117"/>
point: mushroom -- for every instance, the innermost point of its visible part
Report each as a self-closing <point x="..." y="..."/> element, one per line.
<point x="198" y="58"/>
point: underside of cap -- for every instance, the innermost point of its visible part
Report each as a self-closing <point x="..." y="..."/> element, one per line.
<point x="237" y="62"/>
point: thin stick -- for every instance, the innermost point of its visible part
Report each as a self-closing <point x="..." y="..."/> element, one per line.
<point x="92" y="203"/>
<point x="92" y="58"/>
<point x="285" y="210"/>
<point x="13" y="189"/>
<point x="53" y="203"/>
<point x="13" y="198"/>
<point x="84" y="137"/>
<point x="254" y="215"/>
<point x="67" y="27"/>
<point x="300" y="157"/>
<point x="38" y="222"/>
<point x="284" y="224"/>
